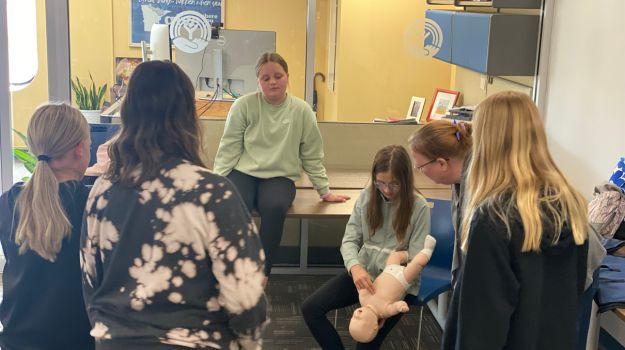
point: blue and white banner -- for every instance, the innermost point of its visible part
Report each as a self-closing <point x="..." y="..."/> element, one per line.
<point x="189" y="20"/>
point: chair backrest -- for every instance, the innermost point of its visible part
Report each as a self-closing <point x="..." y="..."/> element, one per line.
<point x="442" y="229"/>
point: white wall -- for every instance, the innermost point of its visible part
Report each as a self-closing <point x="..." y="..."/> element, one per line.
<point x="585" y="118"/>
<point x="586" y="89"/>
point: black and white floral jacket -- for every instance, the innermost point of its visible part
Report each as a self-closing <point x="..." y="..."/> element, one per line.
<point x="174" y="263"/>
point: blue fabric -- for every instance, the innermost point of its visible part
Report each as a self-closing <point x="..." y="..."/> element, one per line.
<point x="612" y="244"/>
<point x="618" y="176"/>
<point x="611" y="293"/>
<point x="436" y="276"/>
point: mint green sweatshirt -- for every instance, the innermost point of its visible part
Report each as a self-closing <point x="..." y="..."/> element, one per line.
<point x="359" y="247"/>
<point x="264" y="141"/>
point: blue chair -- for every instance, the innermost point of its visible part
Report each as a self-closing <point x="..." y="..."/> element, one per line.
<point x="436" y="276"/>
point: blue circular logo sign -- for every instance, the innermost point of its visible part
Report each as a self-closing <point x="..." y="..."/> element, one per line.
<point x="433" y="38"/>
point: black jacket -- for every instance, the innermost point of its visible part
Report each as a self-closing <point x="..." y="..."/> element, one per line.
<point x="42" y="306"/>
<point x="506" y="299"/>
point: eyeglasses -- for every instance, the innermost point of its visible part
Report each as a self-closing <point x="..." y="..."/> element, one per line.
<point x="420" y="167"/>
<point x="393" y="187"/>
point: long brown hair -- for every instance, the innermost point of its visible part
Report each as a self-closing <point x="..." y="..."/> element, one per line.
<point x="512" y="171"/>
<point x="442" y="139"/>
<point x="159" y="122"/>
<point x="395" y="159"/>
<point x="53" y="130"/>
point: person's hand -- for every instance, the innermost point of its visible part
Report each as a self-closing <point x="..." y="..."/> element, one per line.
<point x="333" y="197"/>
<point x="361" y="278"/>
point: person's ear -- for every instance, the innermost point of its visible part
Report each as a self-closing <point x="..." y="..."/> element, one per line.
<point x="443" y="163"/>
<point x="80" y="149"/>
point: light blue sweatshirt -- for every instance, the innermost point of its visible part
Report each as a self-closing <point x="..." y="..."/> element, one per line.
<point x="359" y="247"/>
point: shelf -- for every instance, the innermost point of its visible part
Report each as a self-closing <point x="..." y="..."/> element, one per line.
<point x="519" y="4"/>
<point x="440" y="2"/>
<point x="474" y="3"/>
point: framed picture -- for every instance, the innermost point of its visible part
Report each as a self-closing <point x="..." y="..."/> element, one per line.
<point x="123" y="69"/>
<point x="415" y="108"/>
<point x="443" y="101"/>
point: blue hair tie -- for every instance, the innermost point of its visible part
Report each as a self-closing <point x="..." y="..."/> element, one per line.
<point x="43" y="158"/>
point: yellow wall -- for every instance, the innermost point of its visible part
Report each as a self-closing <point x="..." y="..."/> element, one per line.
<point x="322" y="22"/>
<point x="377" y="72"/>
<point x="288" y="19"/>
<point x="91" y="41"/>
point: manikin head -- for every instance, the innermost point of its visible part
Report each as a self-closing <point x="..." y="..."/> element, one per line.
<point x="364" y="324"/>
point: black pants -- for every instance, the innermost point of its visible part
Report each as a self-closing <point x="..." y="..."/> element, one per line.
<point x="272" y="198"/>
<point x="337" y="293"/>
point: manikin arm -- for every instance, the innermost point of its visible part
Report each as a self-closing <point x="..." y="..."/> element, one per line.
<point x="393" y="309"/>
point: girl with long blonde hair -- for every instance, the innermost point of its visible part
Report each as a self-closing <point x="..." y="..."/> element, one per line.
<point x="40" y="223"/>
<point x="524" y="237"/>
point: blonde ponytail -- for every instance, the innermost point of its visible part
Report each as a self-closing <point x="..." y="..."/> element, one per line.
<point x="53" y="130"/>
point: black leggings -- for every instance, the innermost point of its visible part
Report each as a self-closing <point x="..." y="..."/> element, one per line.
<point x="272" y="198"/>
<point x="337" y="293"/>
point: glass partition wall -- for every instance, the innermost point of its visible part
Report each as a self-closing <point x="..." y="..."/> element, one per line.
<point x="352" y="60"/>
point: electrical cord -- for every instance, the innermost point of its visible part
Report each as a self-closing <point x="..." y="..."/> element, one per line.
<point x="206" y="107"/>
<point x="197" y="79"/>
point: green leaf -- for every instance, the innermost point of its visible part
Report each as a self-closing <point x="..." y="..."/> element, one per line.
<point x="21" y="136"/>
<point x="88" y="96"/>
<point x="25" y="157"/>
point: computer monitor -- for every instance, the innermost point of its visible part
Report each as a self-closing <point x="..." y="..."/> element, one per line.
<point x="226" y="66"/>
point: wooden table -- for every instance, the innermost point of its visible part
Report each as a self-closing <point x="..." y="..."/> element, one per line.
<point x="620" y="313"/>
<point x="207" y="109"/>
<point x="307" y="205"/>
<point x="360" y="178"/>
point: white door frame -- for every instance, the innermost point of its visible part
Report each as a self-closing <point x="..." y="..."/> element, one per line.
<point x="6" y="142"/>
<point x="544" y="50"/>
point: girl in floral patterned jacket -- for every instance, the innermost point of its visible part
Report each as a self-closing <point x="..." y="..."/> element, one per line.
<point x="171" y="258"/>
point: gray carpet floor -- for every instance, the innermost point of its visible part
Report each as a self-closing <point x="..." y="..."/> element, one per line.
<point x="287" y="329"/>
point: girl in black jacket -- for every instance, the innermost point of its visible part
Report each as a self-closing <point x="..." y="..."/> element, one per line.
<point x="40" y="222"/>
<point x="524" y="238"/>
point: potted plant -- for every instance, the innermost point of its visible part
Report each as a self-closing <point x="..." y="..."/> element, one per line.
<point x="89" y="100"/>
<point x="24" y="155"/>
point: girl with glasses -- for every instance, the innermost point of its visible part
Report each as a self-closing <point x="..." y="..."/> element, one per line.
<point x="441" y="151"/>
<point x="389" y="215"/>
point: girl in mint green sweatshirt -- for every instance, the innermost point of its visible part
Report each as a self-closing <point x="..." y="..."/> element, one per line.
<point x="269" y="137"/>
<point x="389" y="215"/>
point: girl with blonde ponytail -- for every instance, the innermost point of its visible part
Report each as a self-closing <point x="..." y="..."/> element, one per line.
<point x="40" y="223"/>
<point x="524" y="238"/>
